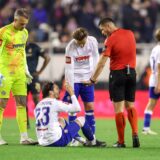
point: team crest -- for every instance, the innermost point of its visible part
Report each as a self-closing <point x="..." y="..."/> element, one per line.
<point x="3" y="93"/>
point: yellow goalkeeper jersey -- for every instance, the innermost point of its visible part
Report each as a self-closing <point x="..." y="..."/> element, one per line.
<point x="12" y="49"/>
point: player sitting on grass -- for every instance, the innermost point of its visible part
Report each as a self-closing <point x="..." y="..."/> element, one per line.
<point x="52" y="130"/>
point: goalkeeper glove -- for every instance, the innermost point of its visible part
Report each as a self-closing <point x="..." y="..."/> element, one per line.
<point x="29" y="78"/>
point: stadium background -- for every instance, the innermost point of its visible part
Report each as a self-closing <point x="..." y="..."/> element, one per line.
<point x="53" y="21"/>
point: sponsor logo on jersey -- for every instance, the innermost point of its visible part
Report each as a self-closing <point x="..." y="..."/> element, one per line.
<point x="12" y="46"/>
<point x="82" y="58"/>
<point x="1" y="42"/>
<point x="68" y="60"/>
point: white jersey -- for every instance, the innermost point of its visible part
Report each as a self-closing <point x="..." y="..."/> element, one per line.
<point x="48" y="128"/>
<point x="81" y="61"/>
<point x="154" y="61"/>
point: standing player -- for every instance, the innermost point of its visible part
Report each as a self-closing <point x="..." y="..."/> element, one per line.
<point x="81" y="58"/>
<point x="154" y="86"/>
<point x="55" y="131"/>
<point x="120" y="47"/>
<point x="13" y="70"/>
<point x="33" y="52"/>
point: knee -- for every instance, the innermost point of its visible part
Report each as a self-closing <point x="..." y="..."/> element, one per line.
<point x="80" y="121"/>
<point x="20" y="101"/>
<point x="89" y="106"/>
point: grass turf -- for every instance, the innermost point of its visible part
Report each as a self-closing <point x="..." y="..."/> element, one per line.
<point x="149" y="150"/>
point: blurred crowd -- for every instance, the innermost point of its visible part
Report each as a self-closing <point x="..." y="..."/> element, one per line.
<point x="56" y="19"/>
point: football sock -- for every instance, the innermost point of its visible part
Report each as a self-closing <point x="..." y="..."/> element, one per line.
<point x="71" y="118"/>
<point x="89" y="116"/>
<point x="87" y="131"/>
<point x="1" y="116"/>
<point x="21" y="117"/>
<point x="120" y="124"/>
<point x="147" y="119"/>
<point x="132" y="117"/>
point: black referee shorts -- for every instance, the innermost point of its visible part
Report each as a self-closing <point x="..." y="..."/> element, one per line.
<point x="122" y="86"/>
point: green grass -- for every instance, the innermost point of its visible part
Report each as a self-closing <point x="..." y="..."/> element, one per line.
<point x="149" y="150"/>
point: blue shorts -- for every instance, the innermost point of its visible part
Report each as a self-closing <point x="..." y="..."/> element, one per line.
<point x="86" y="93"/>
<point x="152" y="94"/>
<point x="68" y="133"/>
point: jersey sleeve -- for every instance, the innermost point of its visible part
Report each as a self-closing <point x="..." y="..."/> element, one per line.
<point x="69" y="66"/>
<point x="68" y="107"/>
<point x="2" y="35"/>
<point x="40" y="50"/>
<point x="25" y="57"/>
<point x="158" y="57"/>
<point x="95" y="52"/>
<point x="107" y="48"/>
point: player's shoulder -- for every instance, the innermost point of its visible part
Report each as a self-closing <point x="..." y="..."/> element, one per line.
<point x="25" y="31"/>
<point x="156" y="48"/>
<point x="5" y="28"/>
<point x="127" y="31"/>
<point x="70" y="45"/>
<point x="92" y="38"/>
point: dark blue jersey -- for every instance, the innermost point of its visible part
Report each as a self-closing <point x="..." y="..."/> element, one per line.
<point x="33" y="51"/>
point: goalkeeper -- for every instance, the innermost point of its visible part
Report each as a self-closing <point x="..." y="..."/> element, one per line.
<point x="14" y="71"/>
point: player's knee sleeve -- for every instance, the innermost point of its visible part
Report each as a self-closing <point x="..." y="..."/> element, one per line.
<point x="81" y="120"/>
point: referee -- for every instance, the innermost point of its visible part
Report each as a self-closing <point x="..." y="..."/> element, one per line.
<point x="120" y="47"/>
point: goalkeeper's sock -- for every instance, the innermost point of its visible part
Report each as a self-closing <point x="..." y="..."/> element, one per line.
<point x="1" y="116"/>
<point x="120" y="124"/>
<point x="147" y="119"/>
<point x="87" y="131"/>
<point x="89" y="115"/>
<point x="133" y="120"/>
<point x="21" y="117"/>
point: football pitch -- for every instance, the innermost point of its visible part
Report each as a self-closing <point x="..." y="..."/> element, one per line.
<point x="149" y="150"/>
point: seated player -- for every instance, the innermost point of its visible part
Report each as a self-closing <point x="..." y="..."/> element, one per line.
<point x="52" y="130"/>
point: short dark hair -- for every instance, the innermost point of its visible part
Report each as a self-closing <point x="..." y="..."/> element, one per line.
<point x="46" y="88"/>
<point x="105" y="20"/>
<point x="79" y="34"/>
<point x="22" y="12"/>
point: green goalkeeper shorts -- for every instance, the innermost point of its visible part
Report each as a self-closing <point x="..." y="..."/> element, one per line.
<point x="13" y="82"/>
